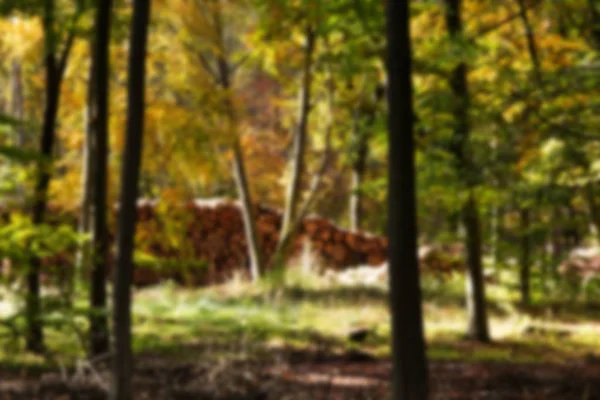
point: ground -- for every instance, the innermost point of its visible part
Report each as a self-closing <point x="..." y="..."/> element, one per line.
<point x="238" y="341"/>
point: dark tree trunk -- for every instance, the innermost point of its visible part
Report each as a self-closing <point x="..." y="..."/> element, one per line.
<point x="531" y="45"/>
<point x="98" y="320"/>
<point x="54" y="73"/>
<point x="476" y="303"/>
<point x="496" y="233"/>
<point x="409" y="374"/>
<point x="123" y="358"/>
<point x="595" y="22"/>
<point x="359" y="166"/>
<point x="546" y="262"/>
<point x="594" y="209"/>
<point x="453" y="221"/>
<point x="525" y="255"/>
<point x="557" y="247"/>
<point x="18" y="111"/>
<point x="35" y="334"/>
<point x="478" y="325"/>
<point x="573" y="233"/>
<point x="362" y="136"/>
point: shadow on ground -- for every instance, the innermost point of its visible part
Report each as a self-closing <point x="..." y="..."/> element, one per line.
<point x="286" y="373"/>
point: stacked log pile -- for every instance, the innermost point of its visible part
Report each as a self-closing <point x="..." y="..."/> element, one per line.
<point x="203" y="242"/>
<point x="582" y="263"/>
<point x="214" y="232"/>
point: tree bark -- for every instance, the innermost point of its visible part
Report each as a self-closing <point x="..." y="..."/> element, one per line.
<point x="453" y="223"/>
<point x="409" y="373"/>
<point x="248" y="214"/>
<point x="358" y="173"/>
<point x="531" y="46"/>
<point x="497" y="216"/>
<point x="476" y="307"/>
<point x="224" y="77"/>
<point x="123" y="358"/>
<point x="595" y="22"/>
<point x="557" y="248"/>
<point x="525" y="212"/>
<point x="361" y="136"/>
<point x="525" y="256"/>
<point x="18" y="111"/>
<point x="477" y="328"/>
<point x="292" y="201"/>
<point x="87" y="173"/>
<point x="98" y="319"/>
<point x="594" y="209"/>
<point x="54" y="73"/>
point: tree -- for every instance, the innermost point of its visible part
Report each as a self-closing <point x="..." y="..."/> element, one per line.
<point x="409" y="375"/>
<point x="87" y="175"/>
<point x="100" y="97"/>
<point x="239" y="168"/>
<point x="291" y="215"/>
<point x="363" y="119"/>
<point x="213" y="46"/>
<point x="18" y="111"/>
<point x="123" y="358"/>
<point x="55" y="64"/>
<point x="460" y="148"/>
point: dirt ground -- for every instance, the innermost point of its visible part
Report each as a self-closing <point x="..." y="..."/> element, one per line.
<point x="302" y="375"/>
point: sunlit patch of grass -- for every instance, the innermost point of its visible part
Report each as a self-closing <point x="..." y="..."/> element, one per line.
<point x="238" y="319"/>
<point x="312" y="308"/>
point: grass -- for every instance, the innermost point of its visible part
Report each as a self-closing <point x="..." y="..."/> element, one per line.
<point x="239" y="319"/>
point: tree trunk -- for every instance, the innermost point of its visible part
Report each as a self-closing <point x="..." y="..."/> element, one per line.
<point x="87" y="173"/>
<point x="593" y="207"/>
<point x="557" y="248"/>
<point x="476" y="307"/>
<point x="250" y="229"/>
<point x="531" y="46"/>
<point x="546" y="262"/>
<point x="18" y="111"/>
<point x="496" y="229"/>
<point x="123" y="358"/>
<point x="54" y="72"/>
<point x="292" y="201"/>
<point x="573" y="233"/>
<point x="98" y="319"/>
<point x="358" y="172"/>
<point x="239" y="168"/>
<point x="525" y="256"/>
<point x="595" y="22"/>
<point x="409" y="373"/>
<point x="453" y="221"/>
<point x="476" y="300"/>
<point x="361" y="136"/>
<point x="3" y="102"/>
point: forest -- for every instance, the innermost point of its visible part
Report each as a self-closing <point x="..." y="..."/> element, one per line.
<point x="299" y="199"/>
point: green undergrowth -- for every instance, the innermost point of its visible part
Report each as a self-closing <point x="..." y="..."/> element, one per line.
<point x="241" y="320"/>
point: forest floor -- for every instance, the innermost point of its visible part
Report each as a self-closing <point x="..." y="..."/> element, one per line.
<point x="312" y="340"/>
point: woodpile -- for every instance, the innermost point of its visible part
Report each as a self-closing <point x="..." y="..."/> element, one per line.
<point x="582" y="263"/>
<point x="439" y="261"/>
<point x="213" y="231"/>
<point x="442" y="259"/>
<point x="203" y="242"/>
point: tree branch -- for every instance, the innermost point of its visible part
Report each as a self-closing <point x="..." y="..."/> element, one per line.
<point x="64" y="56"/>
